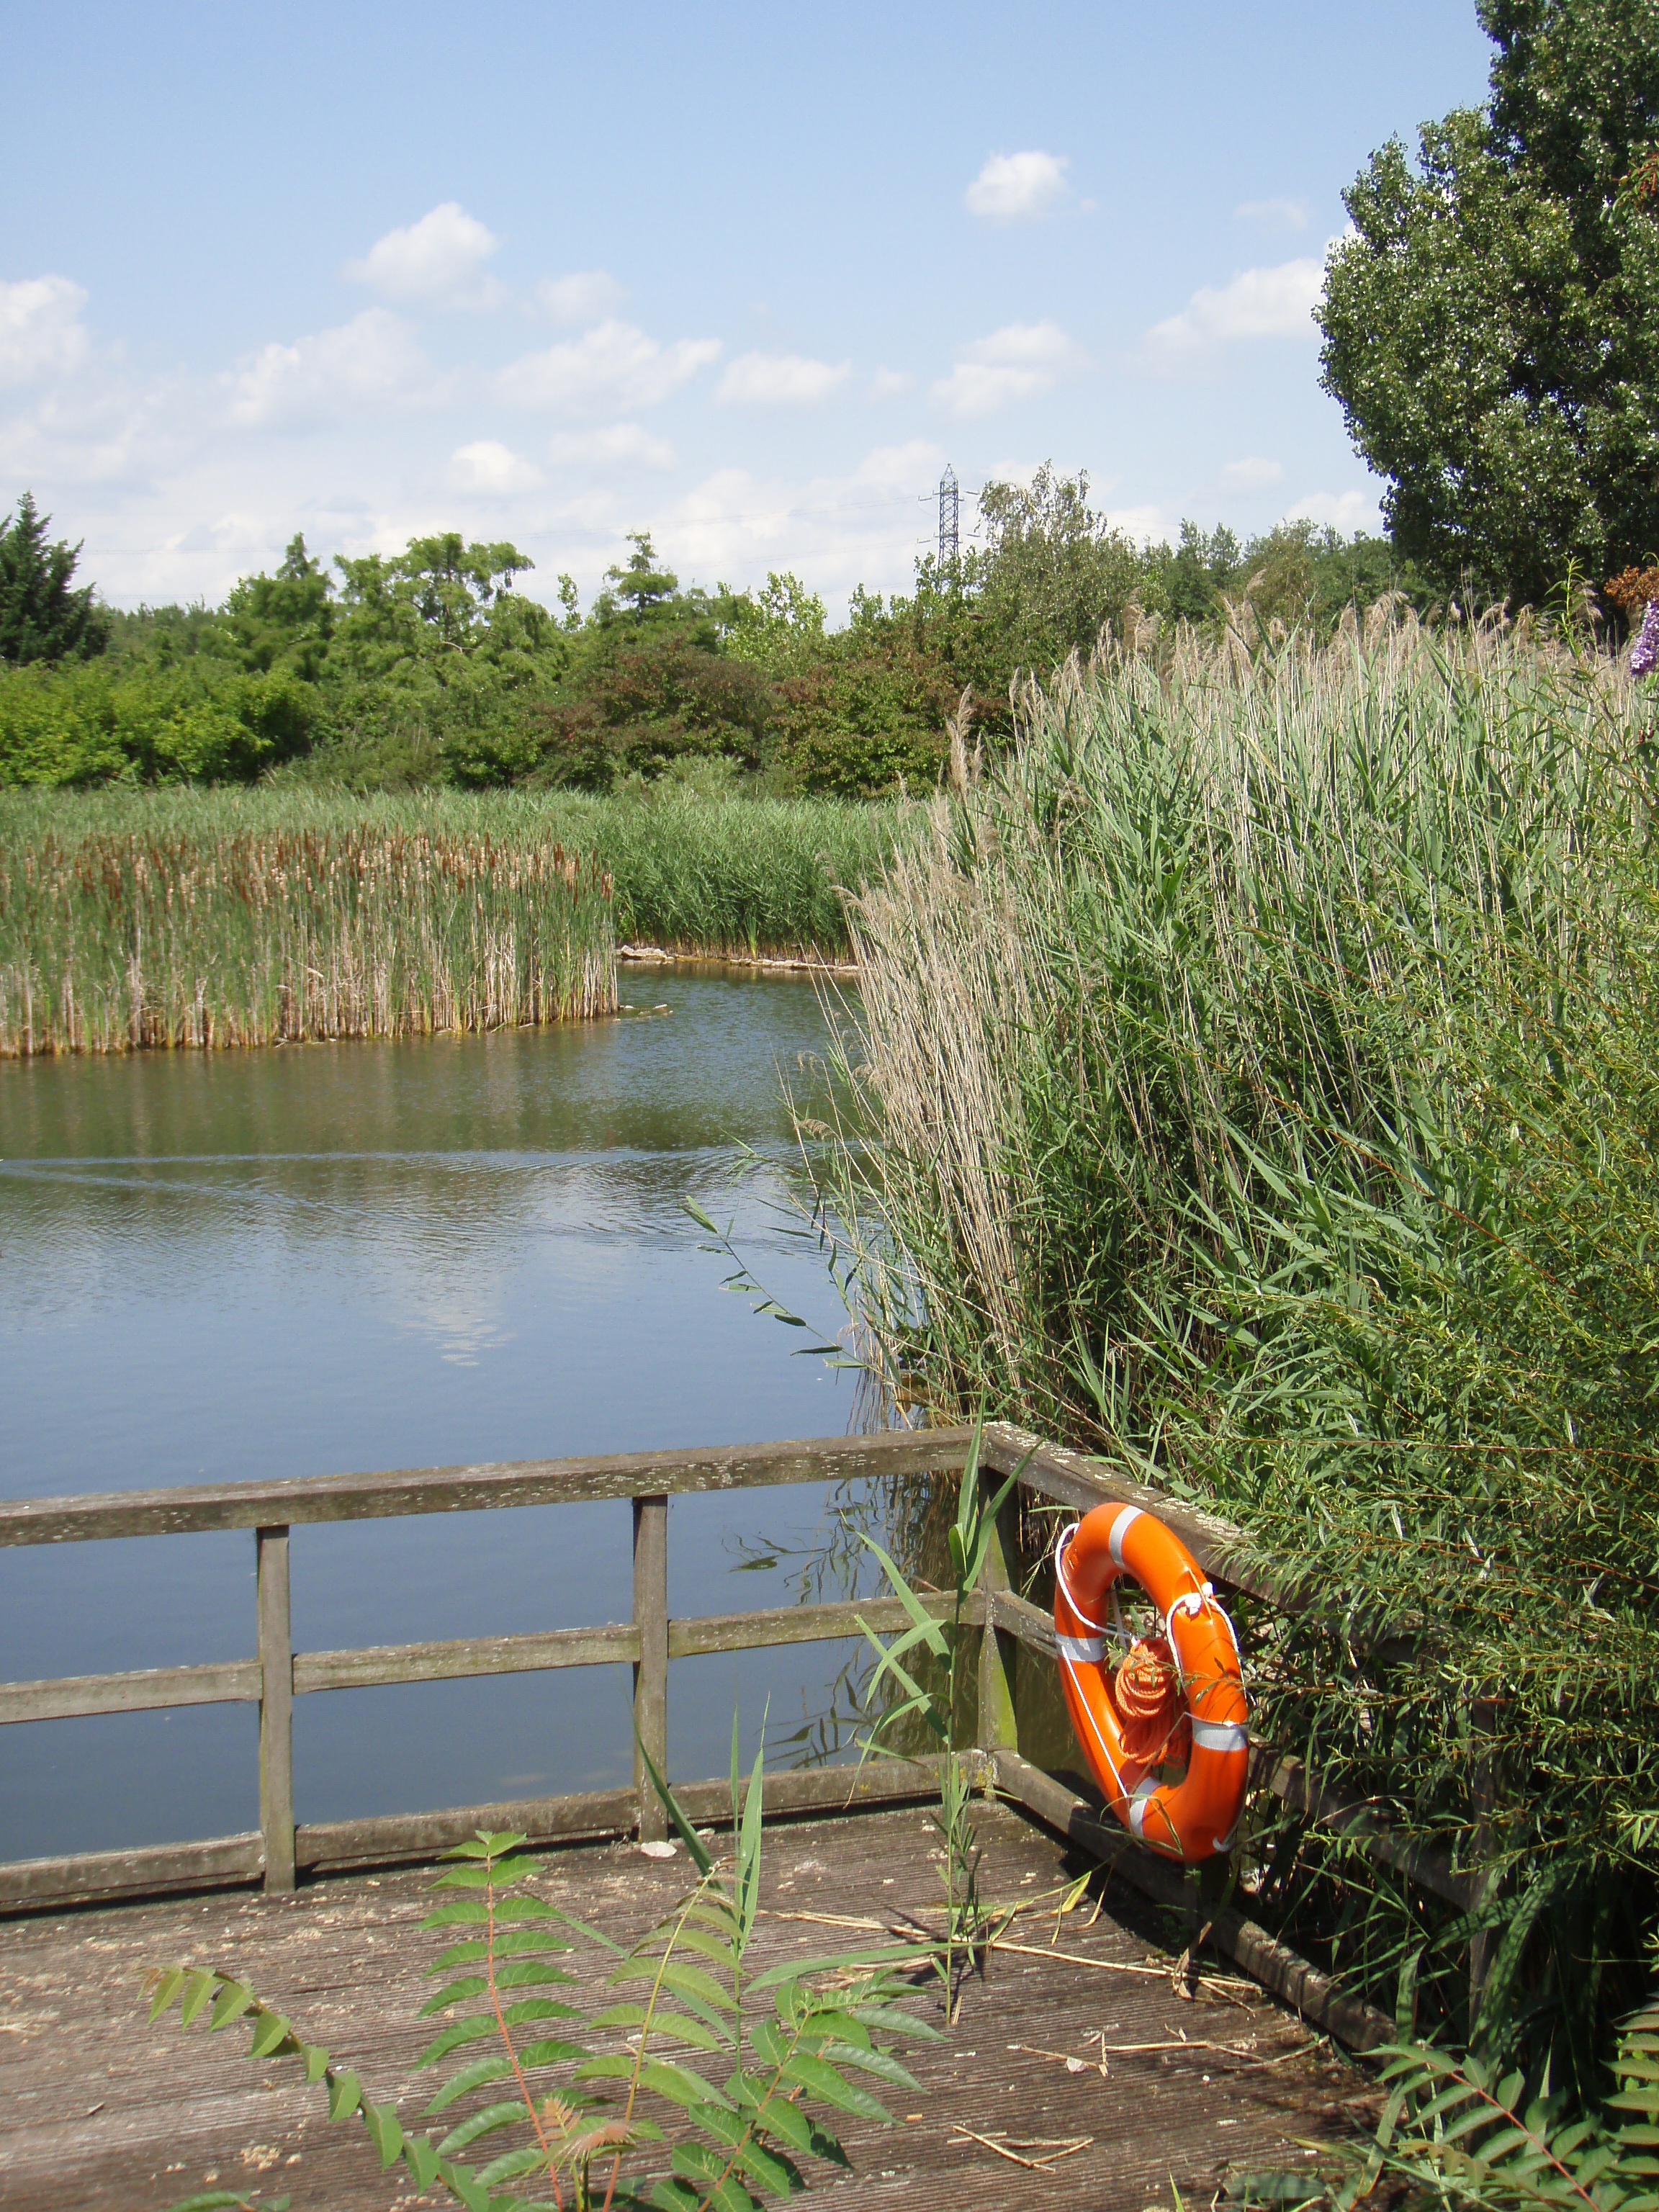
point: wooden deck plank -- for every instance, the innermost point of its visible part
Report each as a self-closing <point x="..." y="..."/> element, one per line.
<point x="98" y="2110"/>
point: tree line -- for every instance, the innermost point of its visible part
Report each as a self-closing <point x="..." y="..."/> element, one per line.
<point x="1490" y="330"/>
<point x="435" y="666"/>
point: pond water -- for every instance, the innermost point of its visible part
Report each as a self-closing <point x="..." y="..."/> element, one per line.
<point x="325" y="1259"/>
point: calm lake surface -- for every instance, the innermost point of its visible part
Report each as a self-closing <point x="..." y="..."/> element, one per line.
<point x="323" y="1258"/>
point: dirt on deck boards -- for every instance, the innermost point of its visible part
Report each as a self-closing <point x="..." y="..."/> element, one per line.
<point x="1152" y="2086"/>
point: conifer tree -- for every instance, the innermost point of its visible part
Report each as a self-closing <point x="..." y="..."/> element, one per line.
<point x="42" y="616"/>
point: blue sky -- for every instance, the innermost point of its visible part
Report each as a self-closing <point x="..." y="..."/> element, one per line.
<point x="745" y="276"/>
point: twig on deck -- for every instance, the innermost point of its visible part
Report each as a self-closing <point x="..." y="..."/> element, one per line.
<point x="1074" y="1958"/>
<point x="1051" y="2148"/>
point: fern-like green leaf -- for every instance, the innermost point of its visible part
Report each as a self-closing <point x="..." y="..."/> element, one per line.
<point x="487" y="2120"/>
<point x="344" y="2092"/>
<point x="529" y="2158"/>
<point x="680" y="1976"/>
<point x="677" y="2026"/>
<point x="673" y="2195"/>
<point x="821" y="2080"/>
<point x="510" y="1943"/>
<point x="199" y="1988"/>
<point x="271" y="2033"/>
<point x="551" y="2050"/>
<point x="881" y="2063"/>
<point x="488" y="1876"/>
<point x="679" y="2084"/>
<point x="166" y="1986"/>
<point x="736" y="2132"/>
<point x="470" y="2077"/>
<point x="472" y="2029"/>
<point x="210" y="2199"/>
<point x="422" y="2160"/>
<point x="720" y="2189"/>
<point x="384" y="2130"/>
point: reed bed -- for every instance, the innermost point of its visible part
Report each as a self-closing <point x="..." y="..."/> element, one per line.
<point x="243" y="917"/>
<point x="123" y="939"/>
<point x="734" y="875"/>
<point x="1255" y="1078"/>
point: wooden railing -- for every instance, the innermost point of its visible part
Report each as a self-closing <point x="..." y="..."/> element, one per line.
<point x="281" y="1848"/>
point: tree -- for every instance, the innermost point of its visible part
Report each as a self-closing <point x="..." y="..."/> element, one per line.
<point x="641" y="584"/>
<point x="780" y="628"/>
<point x="42" y="616"/>
<point x="1204" y="565"/>
<point x="287" y="619"/>
<point x="1492" y="328"/>
<point x="439" y="601"/>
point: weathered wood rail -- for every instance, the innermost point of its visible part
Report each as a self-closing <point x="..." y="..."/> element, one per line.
<point x="281" y="1849"/>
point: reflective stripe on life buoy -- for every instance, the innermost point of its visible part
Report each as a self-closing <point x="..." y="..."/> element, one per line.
<point x="1181" y="1694"/>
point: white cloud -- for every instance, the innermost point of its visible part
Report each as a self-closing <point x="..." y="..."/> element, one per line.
<point x="372" y="361"/>
<point x="1346" y="511"/>
<point x="41" y="333"/>
<point x="1146" y="525"/>
<point x="900" y="468"/>
<point x="1251" y="475"/>
<point x="1291" y="213"/>
<point x="781" y="379"/>
<point x="620" y="445"/>
<point x="835" y="531"/>
<point x="891" y="384"/>
<point x="612" y="365"/>
<point x="586" y="296"/>
<point x="1017" y="187"/>
<point x="438" y="262"/>
<point x="1259" y="303"/>
<point x="1022" y="361"/>
<point x="487" y="465"/>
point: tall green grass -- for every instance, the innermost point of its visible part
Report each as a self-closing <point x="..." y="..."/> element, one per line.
<point x="729" y="874"/>
<point x="239" y="917"/>
<point x="1255" y="1078"/>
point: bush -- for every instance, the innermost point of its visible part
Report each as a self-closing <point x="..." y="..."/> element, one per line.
<point x="99" y="722"/>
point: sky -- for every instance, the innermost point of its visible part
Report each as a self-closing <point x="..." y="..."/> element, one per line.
<point x="747" y="277"/>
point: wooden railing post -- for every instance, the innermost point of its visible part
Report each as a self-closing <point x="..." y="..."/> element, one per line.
<point x="998" y="1730"/>
<point x="651" y="1669"/>
<point x="276" y="1707"/>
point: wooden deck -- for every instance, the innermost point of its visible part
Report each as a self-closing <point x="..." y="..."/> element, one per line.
<point x="98" y="2111"/>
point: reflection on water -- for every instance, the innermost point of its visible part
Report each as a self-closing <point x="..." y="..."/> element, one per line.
<point x="415" y="1253"/>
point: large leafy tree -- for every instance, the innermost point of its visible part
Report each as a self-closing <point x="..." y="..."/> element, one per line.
<point x="43" y="617"/>
<point x="438" y="607"/>
<point x="1492" y="325"/>
<point x="286" y="619"/>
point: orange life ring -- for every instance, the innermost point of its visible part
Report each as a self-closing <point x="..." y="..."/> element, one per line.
<point x="1181" y="1694"/>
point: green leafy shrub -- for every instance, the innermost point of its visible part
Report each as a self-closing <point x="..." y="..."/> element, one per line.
<point x="576" y="2128"/>
<point x="1461" y="2132"/>
<point x="198" y="722"/>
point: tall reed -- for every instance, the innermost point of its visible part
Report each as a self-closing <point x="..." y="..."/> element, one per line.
<point x="734" y="875"/>
<point x="121" y="938"/>
<point x="1255" y="1078"/>
<point x="239" y="917"/>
